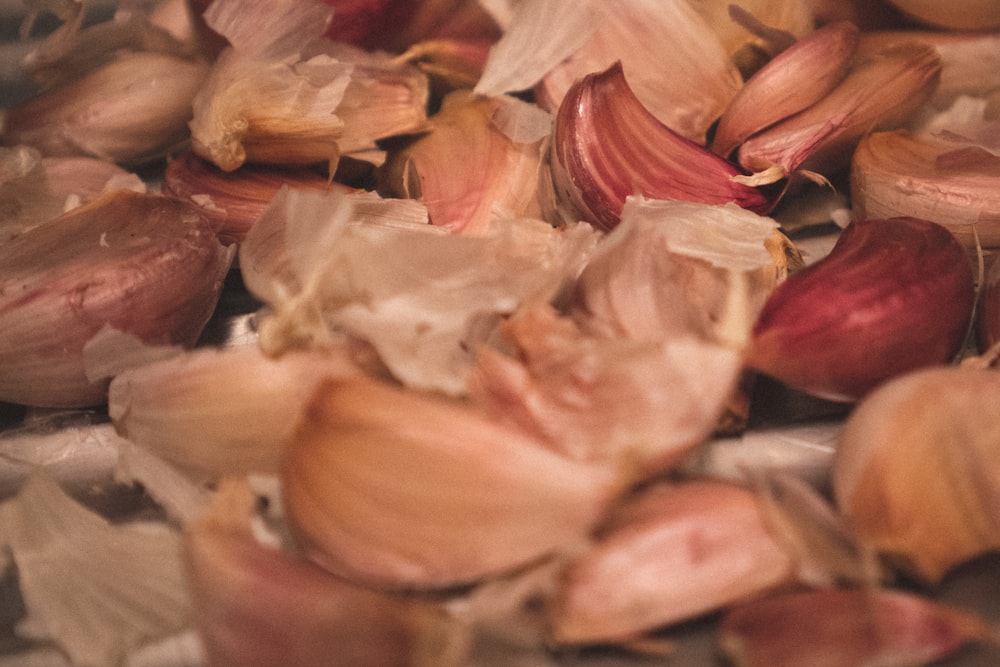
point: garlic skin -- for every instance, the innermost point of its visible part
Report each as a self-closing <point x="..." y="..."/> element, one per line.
<point x="130" y="110"/>
<point x="673" y="553"/>
<point x="881" y="91"/>
<point x="608" y="146"/>
<point x="220" y="411"/>
<point x="892" y="295"/>
<point x="988" y="313"/>
<point x="141" y="263"/>
<point x="914" y="472"/>
<point x="846" y="627"/>
<point x="961" y="15"/>
<point x="938" y="177"/>
<point x="792" y="81"/>
<point x="401" y="489"/>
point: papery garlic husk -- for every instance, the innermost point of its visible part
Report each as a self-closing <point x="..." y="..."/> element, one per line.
<point x="914" y="473"/>
<point x="424" y="298"/>
<point x="970" y="61"/>
<point x="794" y="80"/>
<point x="259" y="604"/>
<point x="961" y="15"/>
<point x="450" y="64"/>
<point x="608" y="146"/>
<point x="892" y="296"/>
<point x="130" y="110"/>
<point x="988" y="309"/>
<point x="643" y="35"/>
<point x="233" y="201"/>
<point x="637" y="405"/>
<point x="94" y="588"/>
<point x="402" y="489"/>
<point x="469" y="170"/>
<point x="881" y="91"/>
<point x="674" y="552"/>
<point x="285" y="96"/>
<point x="846" y="628"/>
<point x="938" y="177"/>
<point x="141" y="263"/>
<point x="221" y="411"/>
<point x="36" y="189"/>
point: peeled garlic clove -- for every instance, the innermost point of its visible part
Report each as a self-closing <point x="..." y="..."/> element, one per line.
<point x="794" y="80"/>
<point x="401" y="489"/>
<point x="892" y="296"/>
<point x="220" y="411"/>
<point x="880" y="92"/>
<point x="914" y="473"/>
<point x="607" y="146"/>
<point x="129" y="110"/>
<point x="468" y="170"/>
<point x="846" y="628"/>
<point x="259" y="604"/>
<point x="141" y="263"/>
<point x="914" y="174"/>
<point x="233" y="201"/>
<point x="673" y="553"/>
<point x="643" y="35"/>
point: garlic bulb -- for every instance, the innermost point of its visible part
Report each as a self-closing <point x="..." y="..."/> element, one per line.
<point x="403" y="489"/>
<point x="141" y="263"/>
<point x="914" y="472"/>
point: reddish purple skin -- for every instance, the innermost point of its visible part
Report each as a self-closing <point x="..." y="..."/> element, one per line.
<point x="892" y="296"/>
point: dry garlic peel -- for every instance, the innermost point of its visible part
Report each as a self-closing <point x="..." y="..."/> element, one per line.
<point x="892" y="296"/>
<point x="915" y="470"/>
<point x="608" y="146"/>
<point x="673" y="553"/>
<point x="143" y="264"/>
<point x="401" y="489"/>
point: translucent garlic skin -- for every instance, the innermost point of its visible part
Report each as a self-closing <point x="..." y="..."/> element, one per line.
<point x="892" y="296"/>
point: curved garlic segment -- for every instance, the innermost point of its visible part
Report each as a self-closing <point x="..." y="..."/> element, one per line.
<point x="468" y="171"/>
<point x="220" y="411"/>
<point x="141" y="263"/>
<point x="937" y="177"/>
<point x="892" y="296"/>
<point x="643" y="35"/>
<point x="674" y="552"/>
<point x="608" y="146"/>
<point x="792" y="81"/>
<point x="880" y="92"/>
<point x="132" y="109"/>
<point x="401" y="489"/>
<point x="915" y="472"/>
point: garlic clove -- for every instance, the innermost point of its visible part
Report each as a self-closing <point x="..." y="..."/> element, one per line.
<point x="794" y="19"/>
<point x="792" y="81"/>
<point x="233" y="201"/>
<point x="258" y="604"/>
<point x="892" y="296"/>
<point x="914" y="473"/>
<point x="607" y="146"/>
<point x="141" y="263"/>
<point x="642" y="35"/>
<point x="468" y="170"/>
<point x="674" y="552"/>
<point x="221" y="411"/>
<point x="961" y="15"/>
<point x="844" y="628"/>
<point x="130" y="110"/>
<point x="932" y="176"/>
<point x="988" y="311"/>
<point x="880" y="92"/>
<point x="401" y="489"/>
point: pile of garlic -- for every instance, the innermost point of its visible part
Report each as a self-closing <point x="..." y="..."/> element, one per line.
<point x="523" y="273"/>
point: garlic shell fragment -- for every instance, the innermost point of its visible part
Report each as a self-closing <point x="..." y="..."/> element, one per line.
<point x="142" y="263"/>
<point x="401" y="489"/>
